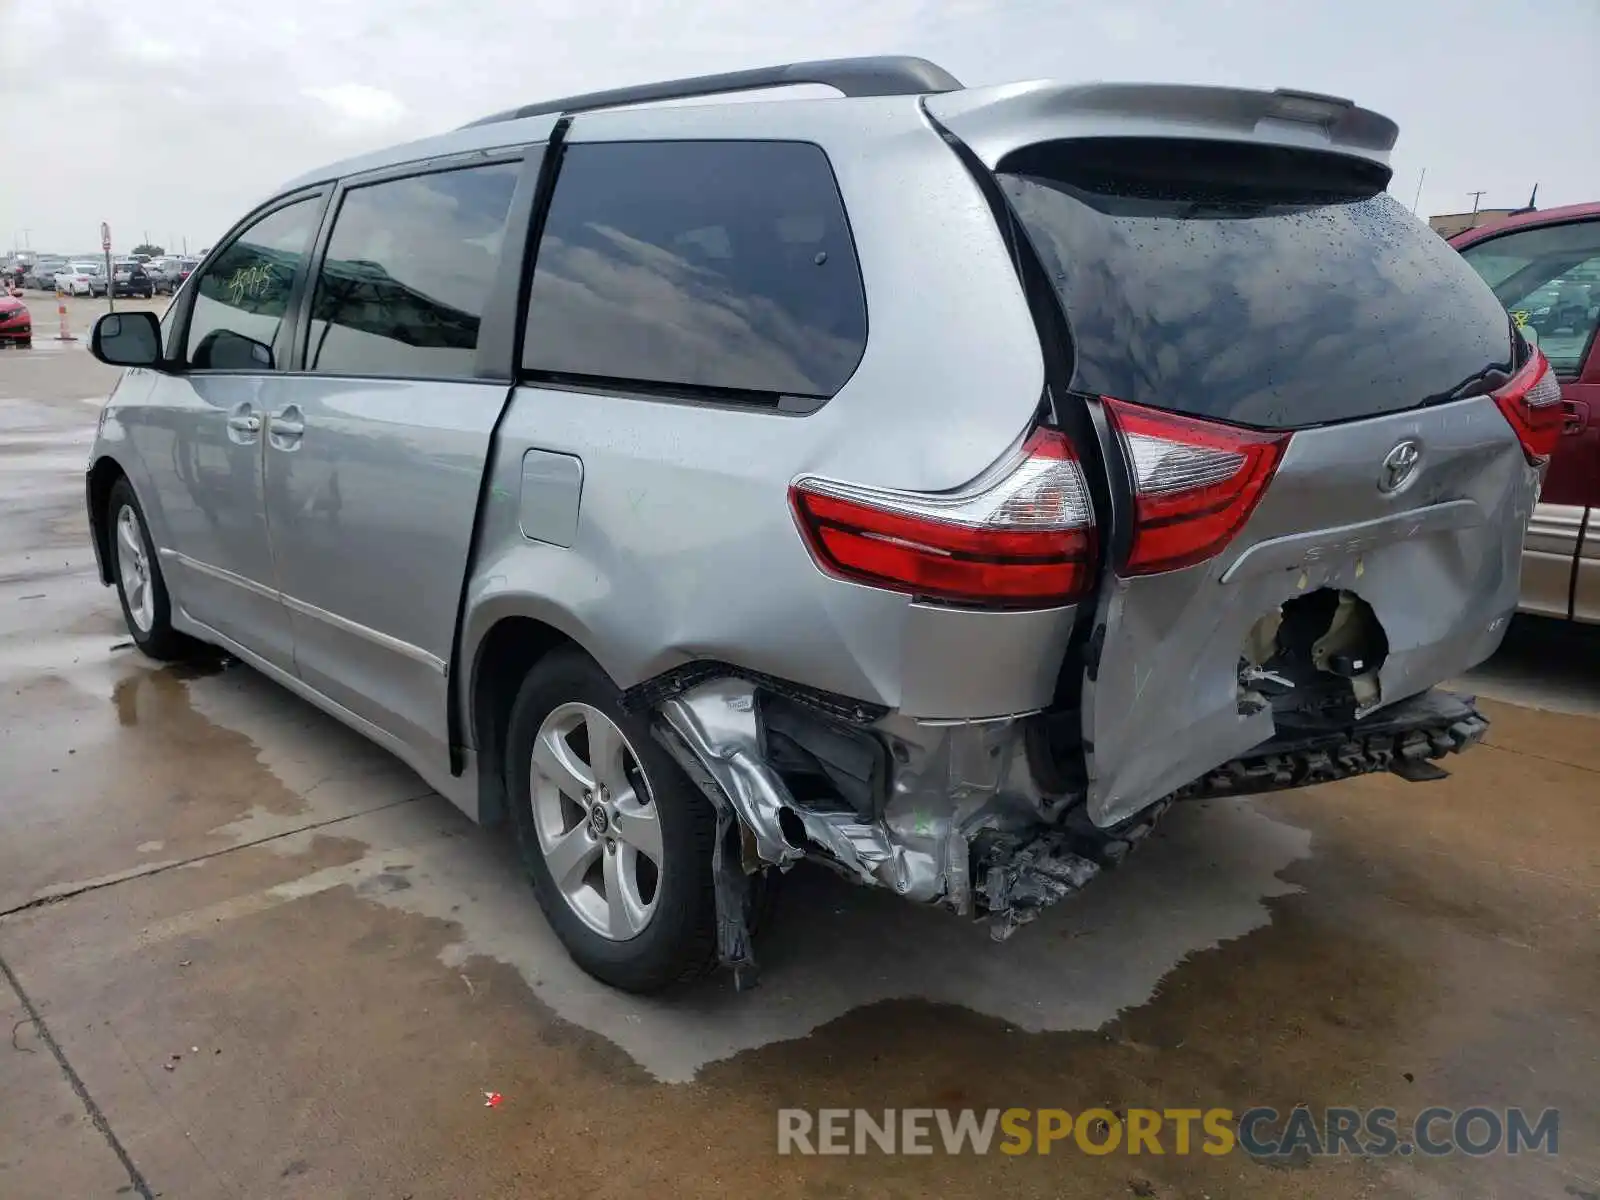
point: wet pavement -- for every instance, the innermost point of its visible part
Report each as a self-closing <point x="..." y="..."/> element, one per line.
<point x="248" y="954"/>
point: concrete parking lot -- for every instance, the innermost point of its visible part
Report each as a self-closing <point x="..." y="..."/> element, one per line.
<point x="247" y="954"/>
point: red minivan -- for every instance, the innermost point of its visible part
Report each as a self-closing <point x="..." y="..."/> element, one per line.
<point x="1545" y="268"/>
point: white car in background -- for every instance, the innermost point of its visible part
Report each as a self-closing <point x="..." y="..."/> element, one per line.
<point x="79" y="279"/>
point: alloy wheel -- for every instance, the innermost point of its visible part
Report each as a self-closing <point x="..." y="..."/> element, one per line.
<point x="133" y="567"/>
<point x="596" y="820"/>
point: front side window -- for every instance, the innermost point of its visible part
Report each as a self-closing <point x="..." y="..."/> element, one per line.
<point x="1549" y="279"/>
<point x="408" y="271"/>
<point x="241" y="298"/>
<point x="705" y="267"/>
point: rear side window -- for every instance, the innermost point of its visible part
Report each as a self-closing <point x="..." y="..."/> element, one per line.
<point x="712" y="269"/>
<point x="408" y="270"/>
<point x="1274" y="289"/>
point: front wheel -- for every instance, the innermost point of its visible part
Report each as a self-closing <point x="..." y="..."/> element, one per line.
<point x="146" y="606"/>
<point x="616" y="840"/>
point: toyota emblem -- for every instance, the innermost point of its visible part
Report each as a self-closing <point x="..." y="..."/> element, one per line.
<point x="1399" y="465"/>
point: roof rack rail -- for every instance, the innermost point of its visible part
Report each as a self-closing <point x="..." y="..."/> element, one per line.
<point x="884" y="75"/>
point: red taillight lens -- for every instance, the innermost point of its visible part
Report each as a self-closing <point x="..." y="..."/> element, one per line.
<point x="1531" y="401"/>
<point x="1020" y="537"/>
<point x="1195" y="483"/>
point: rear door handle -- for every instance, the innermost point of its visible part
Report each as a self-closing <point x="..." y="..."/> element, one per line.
<point x="245" y="424"/>
<point x="285" y="427"/>
<point x="1576" y="417"/>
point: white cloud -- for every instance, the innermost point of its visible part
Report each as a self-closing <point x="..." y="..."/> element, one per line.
<point x="359" y="104"/>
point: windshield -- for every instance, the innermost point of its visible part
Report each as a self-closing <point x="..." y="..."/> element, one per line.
<point x="1200" y="293"/>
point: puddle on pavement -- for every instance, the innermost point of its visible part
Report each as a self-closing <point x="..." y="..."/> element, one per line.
<point x="125" y="692"/>
<point x="833" y="948"/>
<point x="92" y="776"/>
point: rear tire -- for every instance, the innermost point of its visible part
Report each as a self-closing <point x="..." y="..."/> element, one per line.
<point x="146" y="606"/>
<point x="595" y="818"/>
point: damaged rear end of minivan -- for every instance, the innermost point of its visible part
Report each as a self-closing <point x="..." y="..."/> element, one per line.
<point x="1279" y="479"/>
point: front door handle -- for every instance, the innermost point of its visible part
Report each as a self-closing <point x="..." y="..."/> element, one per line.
<point x="243" y="424"/>
<point x="285" y="427"/>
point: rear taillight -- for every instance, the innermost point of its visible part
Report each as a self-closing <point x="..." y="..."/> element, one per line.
<point x="1021" y="536"/>
<point x="1531" y="401"/>
<point x="1195" y="483"/>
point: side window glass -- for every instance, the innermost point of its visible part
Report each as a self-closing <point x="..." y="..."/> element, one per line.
<point x="698" y="265"/>
<point x="1549" y="279"/>
<point x="241" y="298"/>
<point x="409" y="267"/>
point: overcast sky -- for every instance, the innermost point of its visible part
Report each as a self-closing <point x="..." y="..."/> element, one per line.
<point x="175" y="116"/>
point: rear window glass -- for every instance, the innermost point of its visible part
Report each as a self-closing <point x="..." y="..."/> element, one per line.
<point x="1200" y="292"/>
<point x="716" y="269"/>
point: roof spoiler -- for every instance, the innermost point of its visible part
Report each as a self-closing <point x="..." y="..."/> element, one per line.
<point x="885" y="75"/>
<point x="995" y="121"/>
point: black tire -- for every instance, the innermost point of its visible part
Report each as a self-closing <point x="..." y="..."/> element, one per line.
<point x="679" y="942"/>
<point x="161" y="641"/>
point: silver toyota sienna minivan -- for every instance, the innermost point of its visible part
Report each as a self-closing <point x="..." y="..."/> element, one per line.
<point x="934" y="483"/>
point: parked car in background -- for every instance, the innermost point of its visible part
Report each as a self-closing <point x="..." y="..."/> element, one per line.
<point x="129" y="279"/>
<point x="42" y="274"/>
<point x="95" y="266"/>
<point x="16" y="322"/>
<point x="165" y="273"/>
<point x="80" y="279"/>
<point x="1545" y="268"/>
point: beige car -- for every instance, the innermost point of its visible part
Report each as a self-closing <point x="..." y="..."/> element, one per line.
<point x="1545" y="268"/>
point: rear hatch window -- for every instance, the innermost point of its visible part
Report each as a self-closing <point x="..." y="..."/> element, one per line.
<point x="1257" y="285"/>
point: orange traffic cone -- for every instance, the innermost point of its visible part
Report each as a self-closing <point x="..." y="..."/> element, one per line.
<point x="66" y="334"/>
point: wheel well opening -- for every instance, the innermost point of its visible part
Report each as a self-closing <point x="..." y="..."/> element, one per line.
<point x="505" y="656"/>
<point x="103" y="477"/>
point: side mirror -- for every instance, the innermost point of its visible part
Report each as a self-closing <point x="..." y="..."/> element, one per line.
<point x="130" y="339"/>
<point x="225" y="350"/>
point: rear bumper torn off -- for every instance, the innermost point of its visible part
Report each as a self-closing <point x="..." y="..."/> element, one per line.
<point x="912" y="837"/>
<point x="944" y="798"/>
